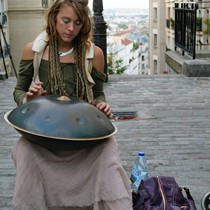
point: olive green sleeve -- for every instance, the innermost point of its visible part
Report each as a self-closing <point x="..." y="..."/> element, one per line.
<point x="24" y="80"/>
<point x="98" y="89"/>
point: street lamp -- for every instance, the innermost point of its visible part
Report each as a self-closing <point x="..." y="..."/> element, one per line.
<point x="100" y="29"/>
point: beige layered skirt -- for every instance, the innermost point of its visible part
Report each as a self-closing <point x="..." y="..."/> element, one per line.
<point x="85" y="179"/>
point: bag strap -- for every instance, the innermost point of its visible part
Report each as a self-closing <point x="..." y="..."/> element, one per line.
<point x="189" y="198"/>
<point x="187" y="192"/>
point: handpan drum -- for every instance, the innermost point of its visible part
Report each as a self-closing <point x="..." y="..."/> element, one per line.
<point x="61" y="123"/>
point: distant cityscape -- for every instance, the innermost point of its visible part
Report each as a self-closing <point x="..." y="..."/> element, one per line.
<point x="127" y="40"/>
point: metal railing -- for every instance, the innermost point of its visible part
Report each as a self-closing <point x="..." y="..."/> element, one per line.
<point x="192" y="26"/>
<point x="185" y="27"/>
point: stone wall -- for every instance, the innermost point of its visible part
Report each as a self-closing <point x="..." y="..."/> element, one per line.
<point x="184" y="64"/>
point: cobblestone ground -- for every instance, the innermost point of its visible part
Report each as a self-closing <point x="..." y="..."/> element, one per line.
<point x="172" y="128"/>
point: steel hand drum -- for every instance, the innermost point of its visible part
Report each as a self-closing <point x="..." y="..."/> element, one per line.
<point x="61" y="123"/>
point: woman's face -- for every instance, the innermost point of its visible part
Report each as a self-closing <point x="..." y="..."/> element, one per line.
<point x="68" y="24"/>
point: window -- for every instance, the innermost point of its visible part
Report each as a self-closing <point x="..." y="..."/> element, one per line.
<point x="155" y="67"/>
<point x="169" y="13"/>
<point x="155" y="40"/>
<point x="155" y="13"/>
<point x="44" y="3"/>
<point x="3" y="14"/>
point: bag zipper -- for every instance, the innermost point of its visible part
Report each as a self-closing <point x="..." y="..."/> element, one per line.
<point x="161" y="192"/>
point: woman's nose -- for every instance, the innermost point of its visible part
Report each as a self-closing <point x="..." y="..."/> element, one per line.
<point x="71" y="26"/>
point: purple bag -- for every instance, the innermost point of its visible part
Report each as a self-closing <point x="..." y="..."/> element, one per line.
<point x="162" y="193"/>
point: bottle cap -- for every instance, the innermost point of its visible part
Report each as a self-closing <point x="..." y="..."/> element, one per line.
<point x="141" y="154"/>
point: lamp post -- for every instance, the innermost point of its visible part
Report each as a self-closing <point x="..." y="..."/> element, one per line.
<point x="100" y="30"/>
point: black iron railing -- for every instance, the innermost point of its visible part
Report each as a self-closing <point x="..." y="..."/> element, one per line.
<point x="185" y="27"/>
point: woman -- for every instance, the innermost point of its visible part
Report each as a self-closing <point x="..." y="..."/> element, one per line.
<point x="62" y="60"/>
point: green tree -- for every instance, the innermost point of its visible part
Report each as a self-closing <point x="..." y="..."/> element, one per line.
<point x="123" y="26"/>
<point x="115" y="67"/>
<point x="198" y="24"/>
<point x="135" y="46"/>
<point x="207" y="22"/>
<point x="172" y="23"/>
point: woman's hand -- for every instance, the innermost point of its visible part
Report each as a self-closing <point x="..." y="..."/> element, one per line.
<point x="35" y="91"/>
<point x="104" y="107"/>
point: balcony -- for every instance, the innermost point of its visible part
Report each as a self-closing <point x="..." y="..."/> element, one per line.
<point x="172" y="127"/>
<point x="191" y="55"/>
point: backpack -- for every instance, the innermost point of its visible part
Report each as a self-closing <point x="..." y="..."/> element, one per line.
<point x="162" y="193"/>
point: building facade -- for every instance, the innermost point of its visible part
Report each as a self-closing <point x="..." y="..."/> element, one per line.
<point x="26" y="21"/>
<point x="157" y="47"/>
<point x="170" y="18"/>
<point x="133" y="55"/>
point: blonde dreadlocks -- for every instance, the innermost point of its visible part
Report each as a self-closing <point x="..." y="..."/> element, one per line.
<point x="56" y="78"/>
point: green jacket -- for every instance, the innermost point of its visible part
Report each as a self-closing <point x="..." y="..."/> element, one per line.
<point x="26" y="73"/>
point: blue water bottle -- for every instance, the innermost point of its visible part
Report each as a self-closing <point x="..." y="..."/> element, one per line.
<point x="139" y="171"/>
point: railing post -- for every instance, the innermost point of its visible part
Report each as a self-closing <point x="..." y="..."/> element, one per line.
<point x="194" y="29"/>
<point x="100" y="30"/>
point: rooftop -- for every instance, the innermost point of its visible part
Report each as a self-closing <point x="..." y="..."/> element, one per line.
<point x="172" y="128"/>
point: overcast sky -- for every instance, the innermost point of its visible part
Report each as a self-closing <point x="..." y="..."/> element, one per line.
<point x="123" y="4"/>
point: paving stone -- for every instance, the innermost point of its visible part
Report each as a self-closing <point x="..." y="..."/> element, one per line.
<point x="172" y="128"/>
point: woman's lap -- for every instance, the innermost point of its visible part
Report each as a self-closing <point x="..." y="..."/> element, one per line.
<point x="87" y="177"/>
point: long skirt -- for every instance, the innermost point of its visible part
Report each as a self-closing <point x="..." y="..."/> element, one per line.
<point x="86" y="179"/>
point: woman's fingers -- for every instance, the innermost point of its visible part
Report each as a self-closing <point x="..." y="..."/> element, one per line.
<point x="105" y="108"/>
<point x="35" y="91"/>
